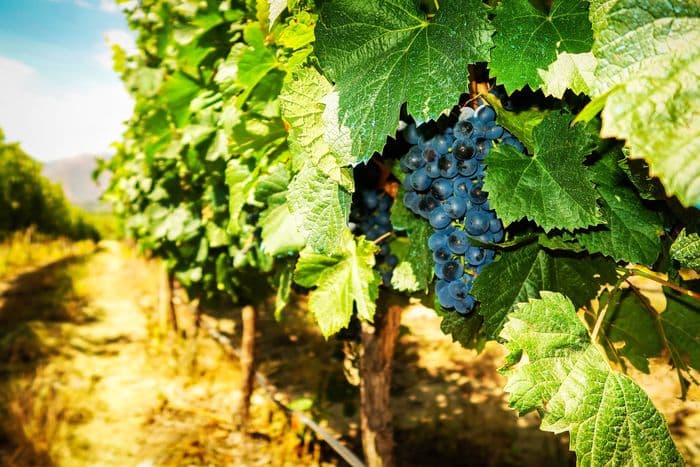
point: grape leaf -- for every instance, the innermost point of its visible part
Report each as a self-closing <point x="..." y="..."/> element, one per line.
<point x="552" y="187"/>
<point x="528" y="40"/>
<point x="302" y="107"/>
<point x="631" y="232"/>
<point x="568" y="381"/>
<point x="686" y="250"/>
<point x="568" y="71"/>
<point x="648" y="76"/>
<point x="633" y="329"/>
<point x="345" y="278"/>
<point x="274" y="10"/>
<point x="415" y="269"/>
<point x="522" y="273"/>
<point x="320" y="207"/>
<point x="463" y="329"/>
<point x="279" y="231"/>
<point x="382" y="54"/>
<point x="519" y="124"/>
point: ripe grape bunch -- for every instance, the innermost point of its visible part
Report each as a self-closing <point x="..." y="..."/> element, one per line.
<point x="444" y="185"/>
<point x="371" y="217"/>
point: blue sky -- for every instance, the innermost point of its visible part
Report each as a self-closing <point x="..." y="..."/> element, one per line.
<point x="58" y="95"/>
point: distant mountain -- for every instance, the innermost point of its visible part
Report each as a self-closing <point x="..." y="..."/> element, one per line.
<point x="75" y="175"/>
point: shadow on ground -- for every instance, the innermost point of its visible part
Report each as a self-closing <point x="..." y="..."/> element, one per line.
<point x="32" y="308"/>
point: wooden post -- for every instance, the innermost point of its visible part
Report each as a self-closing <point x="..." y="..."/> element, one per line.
<point x="249" y="318"/>
<point x="168" y="318"/>
<point x="378" y="344"/>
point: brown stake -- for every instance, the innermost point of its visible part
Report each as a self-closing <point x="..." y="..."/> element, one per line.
<point x="378" y="344"/>
<point x="249" y="318"/>
<point x="168" y="318"/>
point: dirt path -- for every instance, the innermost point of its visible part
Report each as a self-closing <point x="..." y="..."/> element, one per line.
<point x="88" y="379"/>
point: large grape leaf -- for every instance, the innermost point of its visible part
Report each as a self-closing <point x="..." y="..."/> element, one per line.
<point x="341" y="280"/>
<point x="686" y="250"/>
<point x="303" y="107"/>
<point x="648" y="75"/>
<point x="528" y="39"/>
<point x="637" y="331"/>
<point x="320" y="208"/>
<point x="280" y="234"/>
<point x="552" y="187"/>
<point x="382" y="54"/>
<point x="569" y="382"/>
<point x="522" y="273"/>
<point x="415" y="269"/>
<point x="568" y="71"/>
<point x="631" y="232"/>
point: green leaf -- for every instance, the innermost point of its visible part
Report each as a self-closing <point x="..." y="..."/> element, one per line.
<point x="521" y="274"/>
<point x="648" y="75"/>
<point x="519" y="124"/>
<point x="463" y="329"/>
<point x="686" y="250"/>
<point x="528" y="40"/>
<point x="552" y="187"/>
<point x="569" y="71"/>
<point x="382" y="54"/>
<point x="569" y="382"/>
<point x="177" y="92"/>
<point x="279" y="231"/>
<point x="341" y="280"/>
<point x="630" y="330"/>
<point x="681" y="323"/>
<point x="635" y="330"/>
<point x="284" y="287"/>
<point x="302" y="103"/>
<point x="415" y="269"/>
<point x="320" y="207"/>
<point x="241" y="185"/>
<point x="631" y="231"/>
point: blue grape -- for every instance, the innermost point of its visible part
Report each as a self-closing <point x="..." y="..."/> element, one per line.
<point x="485" y="113"/>
<point x="430" y="154"/>
<point x="467" y="168"/>
<point x="447" y="165"/>
<point x="437" y="240"/>
<point x="478" y="221"/>
<point x="458" y="290"/>
<point x="439" y="219"/>
<point x="420" y="180"/>
<point x="455" y="207"/>
<point x="461" y="187"/>
<point x="457" y="242"/>
<point x="475" y="255"/>
<point x="432" y="169"/>
<point x="442" y="254"/>
<point x="463" y="149"/>
<point x="441" y="188"/>
<point x="442" y="143"/>
<point x="493" y="131"/>
<point x="449" y="270"/>
<point x="410" y="134"/>
<point x="410" y="200"/>
<point x="477" y="195"/>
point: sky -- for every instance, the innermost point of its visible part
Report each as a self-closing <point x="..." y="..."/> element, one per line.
<point x="59" y="97"/>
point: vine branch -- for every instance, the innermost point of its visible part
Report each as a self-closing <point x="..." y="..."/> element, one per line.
<point x="664" y="282"/>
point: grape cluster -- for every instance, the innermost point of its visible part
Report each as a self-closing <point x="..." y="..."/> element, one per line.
<point x="444" y="185"/>
<point x="370" y="217"/>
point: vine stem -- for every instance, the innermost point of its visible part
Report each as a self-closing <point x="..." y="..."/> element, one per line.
<point x="603" y="312"/>
<point x="664" y="282"/>
<point x="382" y="238"/>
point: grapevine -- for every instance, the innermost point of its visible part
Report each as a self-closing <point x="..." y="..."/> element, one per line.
<point x="264" y="144"/>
